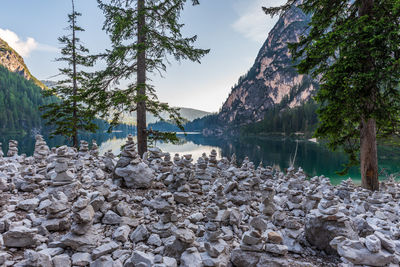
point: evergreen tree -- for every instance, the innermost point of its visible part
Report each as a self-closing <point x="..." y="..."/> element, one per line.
<point x="72" y="113"/>
<point x="143" y="33"/>
<point x="353" y="47"/>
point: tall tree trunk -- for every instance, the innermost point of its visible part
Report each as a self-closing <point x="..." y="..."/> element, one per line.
<point x="369" y="155"/>
<point x="368" y="145"/>
<point x="141" y="80"/>
<point x="75" y="85"/>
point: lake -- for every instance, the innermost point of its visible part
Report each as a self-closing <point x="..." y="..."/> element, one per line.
<point x="314" y="158"/>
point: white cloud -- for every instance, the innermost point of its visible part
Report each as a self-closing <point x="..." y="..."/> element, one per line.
<point x="253" y="23"/>
<point x="23" y="47"/>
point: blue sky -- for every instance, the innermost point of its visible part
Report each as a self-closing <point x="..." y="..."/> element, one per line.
<point x="234" y="30"/>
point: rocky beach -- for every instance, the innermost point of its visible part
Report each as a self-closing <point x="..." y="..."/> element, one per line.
<point x="64" y="207"/>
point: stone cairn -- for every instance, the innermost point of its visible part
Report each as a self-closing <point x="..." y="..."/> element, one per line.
<point x="12" y="148"/>
<point x="62" y="175"/>
<point x="130" y="167"/>
<point x="94" y="151"/>
<point x="109" y="161"/>
<point x="83" y="149"/>
<point x="83" y="216"/>
<point x="58" y="213"/>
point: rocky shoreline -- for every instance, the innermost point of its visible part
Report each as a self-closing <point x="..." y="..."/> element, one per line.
<point x="63" y="207"/>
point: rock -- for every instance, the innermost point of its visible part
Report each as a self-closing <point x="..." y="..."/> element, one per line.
<point x="140" y="234"/>
<point x="139" y="257"/>
<point x="276" y="249"/>
<point x="111" y="218"/>
<point x="62" y="261"/>
<point x="81" y="259"/>
<point x="28" y="204"/>
<point x="386" y="242"/>
<point x="372" y="243"/>
<point x="191" y="258"/>
<point x="185" y="235"/>
<point x="122" y="233"/>
<point x="275" y="238"/>
<point x="136" y="176"/>
<point x="154" y="240"/>
<point x="104" y="249"/>
<point x="182" y="197"/>
<point x="80" y="242"/>
<point x="355" y="252"/>
<point x="19" y="237"/>
<point x="320" y="230"/>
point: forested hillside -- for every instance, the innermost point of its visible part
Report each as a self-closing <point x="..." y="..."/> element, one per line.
<point x="19" y="103"/>
<point x="302" y="119"/>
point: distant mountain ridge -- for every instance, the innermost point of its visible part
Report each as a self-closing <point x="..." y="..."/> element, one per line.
<point x="272" y="80"/>
<point x="189" y="114"/>
<point x="12" y="61"/>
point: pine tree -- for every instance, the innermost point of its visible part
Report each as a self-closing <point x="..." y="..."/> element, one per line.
<point x="353" y="48"/>
<point x="71" y="113"/>
<point x="143" y="33"/>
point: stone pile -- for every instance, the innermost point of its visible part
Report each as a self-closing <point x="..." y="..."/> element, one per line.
<point x="62" y="175"/>
<point x="127" y="211"/>
<point x="12" y="148"/>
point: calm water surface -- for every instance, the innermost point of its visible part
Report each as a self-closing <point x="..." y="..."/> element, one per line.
<point x="314" y="158"/>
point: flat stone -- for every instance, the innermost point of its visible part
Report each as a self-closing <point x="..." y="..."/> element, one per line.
<point x="276" y="249"/>
<point x="28" y="204"/>
<point x="81" y="259"/>
<point x="19" y="237"/>
<point x="104" y="249"/>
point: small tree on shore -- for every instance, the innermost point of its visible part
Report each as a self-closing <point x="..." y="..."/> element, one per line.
<point x="143" y="34"/>
<point x="353" y="48"/>
<point x="71" y="113"/>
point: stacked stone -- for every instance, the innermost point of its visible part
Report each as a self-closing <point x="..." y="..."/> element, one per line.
<point x="166" y="164"/>
<point x="12" y="148"/>
<point x="201" y="170"/>
<point x="62" y="175"/>
<point x="212" y="162"/>
<point x="83" y="149"/>
<point x="42" y="151"/>
<point x="134" y="172"/>
<point x="155" y="157"/>
<point x="187" y="161"/>
<point x="109" y="161"/>
<point x="83" y="216"/>
<point x="94" y="151"/>
<point x="30" y="180"/>
<point x="267" y="205"/>
<point x="253" y="239"/>
<point x="326" y="222"/>
<point x="58" y="212"/>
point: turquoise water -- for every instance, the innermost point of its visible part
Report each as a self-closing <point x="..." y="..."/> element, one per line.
<point x="314" y="158"/>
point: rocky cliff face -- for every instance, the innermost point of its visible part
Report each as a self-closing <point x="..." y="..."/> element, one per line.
<point x="272" y="79"/>
<point x="10" y="59"/>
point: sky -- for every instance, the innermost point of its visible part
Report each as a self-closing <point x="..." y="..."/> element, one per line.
<point x="234" y="31"/>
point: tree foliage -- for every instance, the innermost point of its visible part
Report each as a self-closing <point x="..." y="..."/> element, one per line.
<point x="72" y="113"/>
<point x="159" y="39"/>
<point x="353" y="47"/>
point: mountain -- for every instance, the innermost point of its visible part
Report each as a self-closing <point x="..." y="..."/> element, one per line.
<point x="12" y="61"/>
<point x="189" y="114"/>
<point x="19" y="103"/>
<point x="272" y="80"/>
